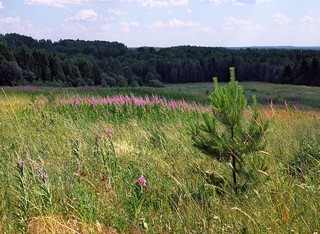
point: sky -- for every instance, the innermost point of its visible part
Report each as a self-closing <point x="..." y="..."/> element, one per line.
<point x="165" y="23"/>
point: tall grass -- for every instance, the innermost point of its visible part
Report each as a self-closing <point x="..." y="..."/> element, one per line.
<point x="82" y="160"/>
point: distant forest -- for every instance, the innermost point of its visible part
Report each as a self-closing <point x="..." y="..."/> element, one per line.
<point x="26" y="61"/>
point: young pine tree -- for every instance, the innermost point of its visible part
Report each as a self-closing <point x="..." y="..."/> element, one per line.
<point x="228" y="135"/>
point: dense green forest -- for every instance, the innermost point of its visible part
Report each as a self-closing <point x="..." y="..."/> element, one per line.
<point x="24" y="61"/>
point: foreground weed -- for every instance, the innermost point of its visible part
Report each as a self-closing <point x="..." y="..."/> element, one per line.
<point x="22" y="195"/>
<point x="31" y="193"/>
<point x="44" y="190"/>
<point x="139" y="195"/>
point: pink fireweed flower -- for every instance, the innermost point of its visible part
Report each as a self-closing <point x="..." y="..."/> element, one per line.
<point x="132" y="102"/>
<point x="44" y="175"/>
<point x="108" y="133"/>
<point x="142" y="181"/>
<point x="77" y="102"/>
<point x="21" y="164"/>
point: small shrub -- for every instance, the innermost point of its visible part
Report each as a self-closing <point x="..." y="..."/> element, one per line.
<point x="104" y="83"/>
<point x="134" y="84"/>
<point x="156" y="84"/>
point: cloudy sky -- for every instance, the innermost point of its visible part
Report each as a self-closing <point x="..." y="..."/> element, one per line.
<point x="167" y="22"/>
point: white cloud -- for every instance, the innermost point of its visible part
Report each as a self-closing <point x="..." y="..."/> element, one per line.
<point x="174" y="23"/>
<point x="308" y="23"/>
<point x="281" y="19"/>
<point x="74" y="30"/>
<point x="262" y="1"/>
<point x="214" y="2"/>
<point x="124" y="1"/>
<point x="85" y="15"/>
<point x="116" y="12"/>
<point x="129" y="24"/>
<point x="307" y="19"/>
<point x="111" y="18"/>
<point x="190" y="11"/>
<point x="157" y="25"/>
<point x="240" y="2"/>
<point x="53" y="3"/>
<point x="126" y="26"/>
<point x="1" y="5"/>
<point x="157" y="3"/>
<point x="15" y="24"/>
<point x="234" y="2"/>
<point x="179" y="3"/>
<point x="245" y="2"/>
<point x="106" y="27"/>
<point x="9" y="20"/>
<point x="205" y="29"/>
<point x="237" y="22"/>
<point x="153" y="3"/>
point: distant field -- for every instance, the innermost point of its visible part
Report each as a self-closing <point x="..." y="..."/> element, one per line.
<point x="292" y="95"/>
<point x="302" y="97"/>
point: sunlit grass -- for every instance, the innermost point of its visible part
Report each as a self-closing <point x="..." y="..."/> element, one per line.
<point x="93" y="158"/>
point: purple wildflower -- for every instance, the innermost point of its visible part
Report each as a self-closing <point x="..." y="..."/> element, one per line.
<point x="108" y="133"/>
<point x="21" y="164"/>
<point x="131" y="102"/>
<point x="27" y="87"/>
<point x="142" y="181"/>
<point x="44" y="175"/>
<point x="77" y="102"/>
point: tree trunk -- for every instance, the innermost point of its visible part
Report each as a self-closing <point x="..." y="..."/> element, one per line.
<point x="234" y="174"/>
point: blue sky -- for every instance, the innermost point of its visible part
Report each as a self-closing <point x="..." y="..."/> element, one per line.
<point x="167" y="22"/>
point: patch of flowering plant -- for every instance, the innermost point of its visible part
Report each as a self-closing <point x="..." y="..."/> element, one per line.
<point x="142" y="181"/>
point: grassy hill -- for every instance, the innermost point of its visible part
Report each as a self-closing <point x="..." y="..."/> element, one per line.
<point x="71" y="159"/>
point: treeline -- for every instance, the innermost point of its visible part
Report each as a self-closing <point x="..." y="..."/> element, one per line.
<point x="24" y="60"/>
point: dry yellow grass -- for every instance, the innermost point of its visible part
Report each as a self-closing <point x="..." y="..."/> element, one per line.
<point x="59" y="225"/>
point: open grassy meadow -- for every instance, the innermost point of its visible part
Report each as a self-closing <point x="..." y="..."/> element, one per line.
<point x="281" y="95"/>
<point x="96" y="160"/>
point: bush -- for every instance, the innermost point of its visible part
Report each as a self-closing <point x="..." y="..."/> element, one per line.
<point x="156" y="84"/>
<point x="138" y="80"/>
<point x="104" y="83"/>
<point x="134" y="84"/>
<point x="10" y="73"/>
<point x="121" y="81"/>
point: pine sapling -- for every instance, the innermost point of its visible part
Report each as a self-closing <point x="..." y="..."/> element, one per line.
<point x="227" y="135"/>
